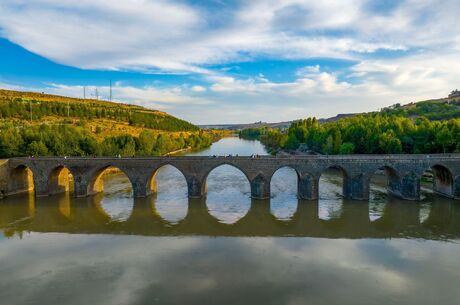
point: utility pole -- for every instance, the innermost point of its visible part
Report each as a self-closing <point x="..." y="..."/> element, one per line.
<point x="110" y="90"/>
<point x="84" y="92"/>
<point x="97" y="94"/>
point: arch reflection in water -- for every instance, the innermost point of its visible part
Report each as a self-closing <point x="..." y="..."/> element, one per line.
<point x="378" y="191"/>
<point x="170" y="199"/>
<point x="116" y="197"/>
<point x="228" y="193"/>
<point x="331" y="188"/>
<point x="283" y="187"/>
<point x="398" y="219"/>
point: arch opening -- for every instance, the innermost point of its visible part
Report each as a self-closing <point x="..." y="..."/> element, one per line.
<point x="283" y="187"/>
<point x="20" y="180"/>
<point x="228" y="193"/>
<point x="379" y="186"/>
<point x="110" y="179"/>
<point x="439" y="180"/>
<point x="60" y="180"/>
<point x="117" y="198"/>
<point x="170" y="188"/>
<point x="331" y="192"/>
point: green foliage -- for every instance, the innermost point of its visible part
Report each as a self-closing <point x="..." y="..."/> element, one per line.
<point x="368" y="134"/>
<point x="346" y="148"/>
<point x="252" y="133"/>
<point x="14" y="106"/>
<point x="433" y="110"/>
<point x="69" y="140"/>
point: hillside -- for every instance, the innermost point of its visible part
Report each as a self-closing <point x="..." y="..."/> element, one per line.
<point x="42" y="124"/>
<point x="431" y="126"/>
<point x="37" y="106"/>
<point x="435" y="109"/>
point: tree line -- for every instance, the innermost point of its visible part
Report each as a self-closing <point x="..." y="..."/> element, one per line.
<point x="25" y="109"/>
<point x="69" y="140"/>
<point x="364" y="134"/>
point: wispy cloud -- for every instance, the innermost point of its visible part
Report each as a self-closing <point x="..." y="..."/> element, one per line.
<point x="400" y="52"/>
<point x="174" y="36"/>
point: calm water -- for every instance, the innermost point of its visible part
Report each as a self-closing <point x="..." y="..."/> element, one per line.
<point x="228" y="249"/>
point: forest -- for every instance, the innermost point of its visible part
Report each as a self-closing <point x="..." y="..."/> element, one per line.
<point x="376" y="133"/>
<point x="69" y="140"/>
<point x="36" y="124"/>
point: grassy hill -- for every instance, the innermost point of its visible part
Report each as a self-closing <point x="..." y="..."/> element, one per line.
<point x="435" y="109"/>
<point x="37" y="106"/>
<point x="43" y="124"/>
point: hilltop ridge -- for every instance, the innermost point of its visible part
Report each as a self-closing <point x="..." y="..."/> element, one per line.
<point x="36" y="106"/>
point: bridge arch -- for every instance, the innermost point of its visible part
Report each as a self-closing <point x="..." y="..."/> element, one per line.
<point x="284" y="184"/>
<point x="334" y="175"/>
<point x="290" y="168"/>
<point x="169" y="186"/>
<point x="96" y="183"/>
<point x="152" y="182"/>
<point x="20" y="180"/>
<point x="381" y="182"/>
<point x="442" y="180"/>
<point x="60" y="180"/>
<point x="223" y="164"/>
<point x="383" y="179"/>
<point x="227" y="189"/>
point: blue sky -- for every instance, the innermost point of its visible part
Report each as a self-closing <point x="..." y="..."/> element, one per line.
<point x="234" y="61"/>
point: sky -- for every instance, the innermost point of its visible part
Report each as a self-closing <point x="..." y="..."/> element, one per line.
<point x="218" y="61"/>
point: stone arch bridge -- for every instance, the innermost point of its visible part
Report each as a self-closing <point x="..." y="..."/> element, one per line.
<point x="404" y="172"/>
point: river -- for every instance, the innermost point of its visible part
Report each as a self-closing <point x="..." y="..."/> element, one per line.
<point x="227" y="248"/>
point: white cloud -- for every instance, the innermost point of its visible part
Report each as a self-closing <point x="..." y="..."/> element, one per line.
<point x="173" y="36"/>
<point x="198" y="89"/>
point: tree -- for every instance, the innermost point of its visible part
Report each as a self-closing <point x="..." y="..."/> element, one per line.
<point x="346" y="148"/>
<point x="37" y="148"/>
<point x="292" y="142"/>
<point x="328" y="147"/>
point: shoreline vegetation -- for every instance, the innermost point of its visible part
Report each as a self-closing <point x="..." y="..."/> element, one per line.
<point x="426" y="127"/>
<point x="34" y="124"/>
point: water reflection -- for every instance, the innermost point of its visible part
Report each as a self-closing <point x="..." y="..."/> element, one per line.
<point x="440" y="219"/>
<point x="228" y="194"/>
<point x="116" y="199"/>
<point x="229" y="249"/>
<point x="283" y="187"/>
<point x="171" y="197"/>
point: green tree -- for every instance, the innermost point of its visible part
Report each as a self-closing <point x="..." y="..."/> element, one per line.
<point x="346" y="148"/>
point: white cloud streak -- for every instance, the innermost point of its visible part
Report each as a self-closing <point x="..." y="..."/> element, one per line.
<point x="176" y="37"/>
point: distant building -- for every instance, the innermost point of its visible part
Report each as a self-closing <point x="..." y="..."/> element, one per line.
<point x="454" y="93"/>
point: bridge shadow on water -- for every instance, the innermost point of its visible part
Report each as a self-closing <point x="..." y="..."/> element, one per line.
<point x="438" y="220"/>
